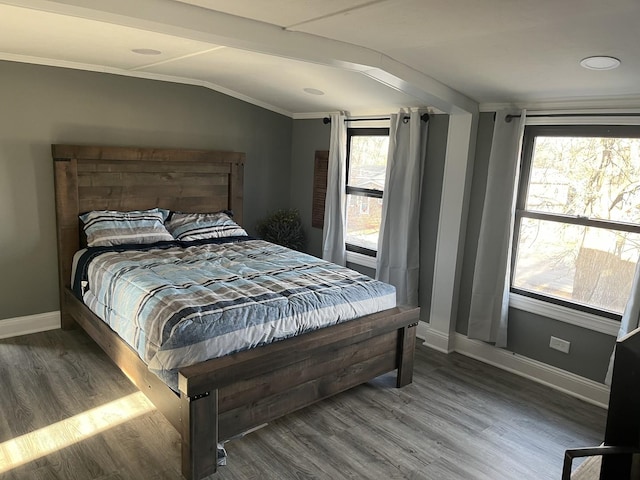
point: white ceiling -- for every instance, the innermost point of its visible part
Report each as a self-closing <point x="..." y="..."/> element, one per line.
<point x="367" y="56"/>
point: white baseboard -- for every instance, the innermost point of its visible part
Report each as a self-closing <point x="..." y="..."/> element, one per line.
<point x="567" y="382"/>
<point x="41" y="322"/>
<point x="434" y="339"/>
<point x="421" y="331"/>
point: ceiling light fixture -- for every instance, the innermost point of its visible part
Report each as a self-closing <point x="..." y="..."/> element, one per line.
<point x="313" y="91"/>
<point x="600" y="63"/>
<point x="146" y="51"/>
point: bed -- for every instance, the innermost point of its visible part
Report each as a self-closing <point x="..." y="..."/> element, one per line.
<point x="220" y="398"/>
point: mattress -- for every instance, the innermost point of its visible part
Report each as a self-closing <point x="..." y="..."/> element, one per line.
<point x="179" y="304"/>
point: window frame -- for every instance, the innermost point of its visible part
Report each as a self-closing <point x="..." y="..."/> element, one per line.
<point x="530" y="134"/>
<point x="359" y="191"/>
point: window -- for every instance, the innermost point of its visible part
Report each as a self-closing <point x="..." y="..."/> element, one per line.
<point x="367" y="150"/>
<point x="577" y="225"/>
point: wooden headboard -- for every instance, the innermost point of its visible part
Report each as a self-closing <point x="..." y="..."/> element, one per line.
<point x="126" y="178"/>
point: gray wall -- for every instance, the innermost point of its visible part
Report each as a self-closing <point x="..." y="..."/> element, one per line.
<point x="430" y="211"/>
<point x="588" y="356"/>
<point x="45" y="105"/>
<point x="308" y="137"/>
<point x="528" y="334"/>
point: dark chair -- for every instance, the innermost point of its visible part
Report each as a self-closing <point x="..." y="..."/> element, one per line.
<point x="622" y="435"/>
<point x="605" y="451"/>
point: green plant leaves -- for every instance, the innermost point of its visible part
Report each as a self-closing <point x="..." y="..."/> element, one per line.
<point x="283" y="227"/>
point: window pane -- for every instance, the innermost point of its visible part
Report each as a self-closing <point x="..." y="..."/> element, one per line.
<point x="597" y="177"/>
<point x="363" y="221"/>
<point x="368" y="161"/>
<point x="590" y="266"/>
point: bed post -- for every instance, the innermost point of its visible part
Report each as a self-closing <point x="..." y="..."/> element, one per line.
<point x="199" y="434"/>
<point x="66" y="181"/>
<point x="406" y="346"/>
<point x="236" y="188"/>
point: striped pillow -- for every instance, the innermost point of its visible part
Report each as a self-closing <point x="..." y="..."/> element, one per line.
<point x="108" y="227"/>
<point x="201" y="226"/>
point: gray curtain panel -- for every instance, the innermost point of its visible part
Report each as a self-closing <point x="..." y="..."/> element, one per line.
<point x="490" y="290"/>
<point x="333" y="233"/>
<point x="398" y="258"/>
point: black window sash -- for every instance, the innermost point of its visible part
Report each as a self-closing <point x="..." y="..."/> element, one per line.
<point x="363" y="192"/>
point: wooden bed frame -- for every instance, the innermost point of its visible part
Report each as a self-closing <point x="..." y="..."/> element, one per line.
<point x="224" y="397"/>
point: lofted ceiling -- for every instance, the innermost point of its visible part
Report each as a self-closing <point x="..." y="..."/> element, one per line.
<point x="304" y="58"/>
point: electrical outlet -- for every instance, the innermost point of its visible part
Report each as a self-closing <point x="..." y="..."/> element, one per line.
<point x="559" y="344"/>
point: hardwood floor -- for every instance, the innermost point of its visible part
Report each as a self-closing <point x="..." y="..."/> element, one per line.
<point x="459" y="420"/>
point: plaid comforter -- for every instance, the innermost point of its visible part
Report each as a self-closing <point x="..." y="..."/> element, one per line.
<point x="179" y="305"/>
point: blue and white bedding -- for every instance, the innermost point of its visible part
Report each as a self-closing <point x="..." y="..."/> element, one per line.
<point x="180" y="303"/>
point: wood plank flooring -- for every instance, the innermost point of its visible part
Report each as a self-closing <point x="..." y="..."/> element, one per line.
<point x="459" y="420"/>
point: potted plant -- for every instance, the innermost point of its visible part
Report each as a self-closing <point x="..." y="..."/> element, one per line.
<point x="283" y="227"/>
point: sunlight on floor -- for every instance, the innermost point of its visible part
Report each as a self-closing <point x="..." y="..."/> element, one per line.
<point x="33" y="445"/>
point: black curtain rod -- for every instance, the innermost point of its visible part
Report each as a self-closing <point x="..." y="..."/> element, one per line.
<point x="424" y="117"/>
<point x="508" y="118"/>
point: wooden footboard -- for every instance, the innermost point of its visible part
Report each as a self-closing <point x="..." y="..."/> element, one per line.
<point x="250" y="388"/>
